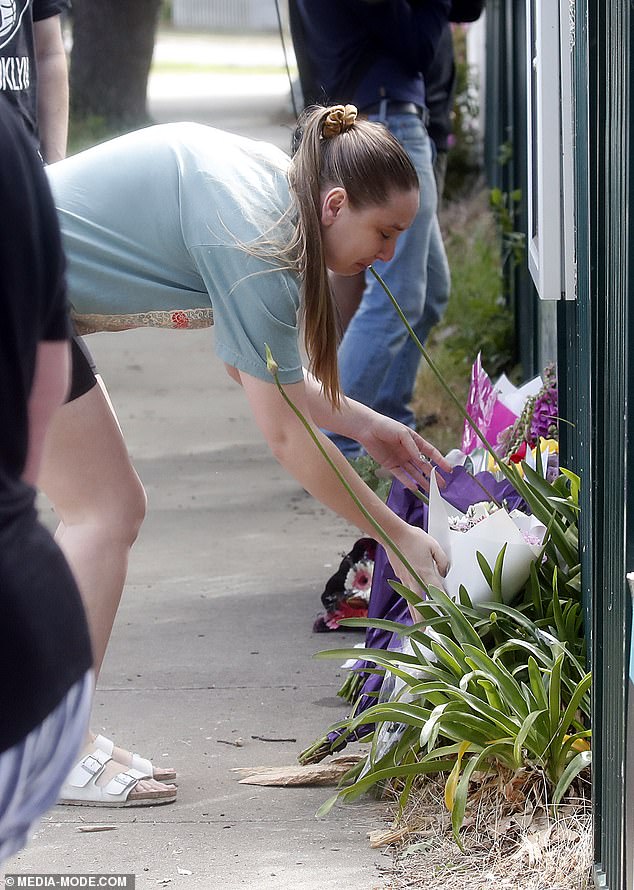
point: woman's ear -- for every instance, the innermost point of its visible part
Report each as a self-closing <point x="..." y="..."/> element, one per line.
<point x="332" y="203"/>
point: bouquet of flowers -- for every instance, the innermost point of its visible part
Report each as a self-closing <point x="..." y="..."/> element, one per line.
<point x="515" y="420"/>
<point x="347" y="591"/>
<point x="486" y="531"/>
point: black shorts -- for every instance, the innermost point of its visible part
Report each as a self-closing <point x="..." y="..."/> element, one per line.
<point x="83" y="369"/>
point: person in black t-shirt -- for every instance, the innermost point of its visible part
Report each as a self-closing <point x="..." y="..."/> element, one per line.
<point x="34" y="72"/>
<point x="34" y="79"/>
<point x="45" y="656"/>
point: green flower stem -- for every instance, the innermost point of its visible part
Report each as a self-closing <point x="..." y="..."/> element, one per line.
<point x="510" y="472"/>
<point x="272" y="367"/>
<point x="454" y="398"/>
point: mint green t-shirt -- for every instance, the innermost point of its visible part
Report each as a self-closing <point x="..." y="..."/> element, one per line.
<point x="155" y="225"/>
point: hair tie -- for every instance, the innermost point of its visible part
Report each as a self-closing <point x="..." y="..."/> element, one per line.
<point x="339" y="118"/>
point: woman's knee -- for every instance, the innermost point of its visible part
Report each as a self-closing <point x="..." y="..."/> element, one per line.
<point x="124" y="510"/>
<point x="112" y="510"/>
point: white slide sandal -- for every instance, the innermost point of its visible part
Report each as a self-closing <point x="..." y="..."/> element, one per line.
<point x="82" y="787"/>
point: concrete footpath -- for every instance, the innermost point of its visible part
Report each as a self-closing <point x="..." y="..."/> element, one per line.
<point x="213" y="640"/>
<point x="236" y="82"/>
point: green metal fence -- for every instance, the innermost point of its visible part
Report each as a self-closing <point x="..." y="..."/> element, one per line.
<point x="607" y="58"/>
<point x="595" y="356"/>
<point x="505" y="156"/>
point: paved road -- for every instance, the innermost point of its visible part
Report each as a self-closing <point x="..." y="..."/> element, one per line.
<point x="213" y="640"/>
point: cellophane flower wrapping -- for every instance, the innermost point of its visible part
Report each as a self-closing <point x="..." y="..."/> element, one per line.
<point x="485" y="527"/>
<point x="494" y="407"/>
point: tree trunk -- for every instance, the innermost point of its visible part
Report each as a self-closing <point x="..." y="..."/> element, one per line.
<point x="110" y="60"/>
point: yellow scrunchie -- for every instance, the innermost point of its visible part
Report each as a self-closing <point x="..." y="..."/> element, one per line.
<point x="338" y="119"/>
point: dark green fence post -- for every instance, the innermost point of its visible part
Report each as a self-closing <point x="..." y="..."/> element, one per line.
<point x="603" y="63"/>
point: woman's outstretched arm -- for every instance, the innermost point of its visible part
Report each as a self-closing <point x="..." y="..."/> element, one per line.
<point x="396" y="447"/>
<point x="297" y="453"/>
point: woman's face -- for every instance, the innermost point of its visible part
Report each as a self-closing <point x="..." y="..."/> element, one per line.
<point x="354" y="238"/>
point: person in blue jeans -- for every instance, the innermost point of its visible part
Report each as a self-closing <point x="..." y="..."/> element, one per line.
<point x="374" y="53"/>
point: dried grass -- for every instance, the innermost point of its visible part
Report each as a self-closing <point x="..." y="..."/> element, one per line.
<point x="509" y="839"/>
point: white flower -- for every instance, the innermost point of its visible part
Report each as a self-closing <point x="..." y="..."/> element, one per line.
<point x="359" y="578"/>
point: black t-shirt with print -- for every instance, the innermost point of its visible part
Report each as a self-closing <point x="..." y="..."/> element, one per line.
<point x="18" y="74"/>
<point x="44" y="644"/>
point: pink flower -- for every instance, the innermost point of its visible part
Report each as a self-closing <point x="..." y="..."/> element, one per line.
<point x="359" y="577"/>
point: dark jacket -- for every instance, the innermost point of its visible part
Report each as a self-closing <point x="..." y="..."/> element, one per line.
<point x="364" y="50"/>
<point x="440" y="81"/>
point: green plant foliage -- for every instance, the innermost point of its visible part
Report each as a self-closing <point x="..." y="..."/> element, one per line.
<point x="505" y="206"/>
<point x="367" y="468"/>
<point x="475" y="688"/>
<point x="468" y="701"/>
<point x="463" y="160"/>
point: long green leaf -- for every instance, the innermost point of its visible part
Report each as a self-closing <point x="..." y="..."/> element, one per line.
<point x="391" y="712"/>
<point x="572" y="707"/>
<point x="463" y="630"/>
<point x="447" y="652"/>
<point x="457" y="731"/>
<point x="546" y="490"/>
<point x="378" y="623"/>
<point x="575" y="484"/>
<point x="327" y="806"/>
<point x="507" y="724"/>
<point x="507" y="684"/>
<point x="576" y="765"/>
<point x="408" y="595"/>
<point x="558" y="616"/>
<point x="515" y="615"/>
<point x="554" y="696"/>
<point x="430" y="724"/>
<point x="536" y="593"/>
<point x="375" y="776"/>
<point x="522" y="736"/>
<point x="462" y="791"/>
<point x="393" y="656"/>
<point x="484" y="682"/>
<point x="485" y="568"/>
<point x="496" y="586"/>
<point x="537" y="683"/>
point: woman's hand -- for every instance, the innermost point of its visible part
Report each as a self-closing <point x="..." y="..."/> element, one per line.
<point x="425" y="556"/>
<point x="401" y="451"/>
<point x="396" y="447"/>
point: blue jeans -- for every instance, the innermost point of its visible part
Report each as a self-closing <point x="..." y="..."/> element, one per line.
<point x="378" y="360"/>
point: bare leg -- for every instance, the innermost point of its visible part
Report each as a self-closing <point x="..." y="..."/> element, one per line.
<point x="87" y="475"/>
